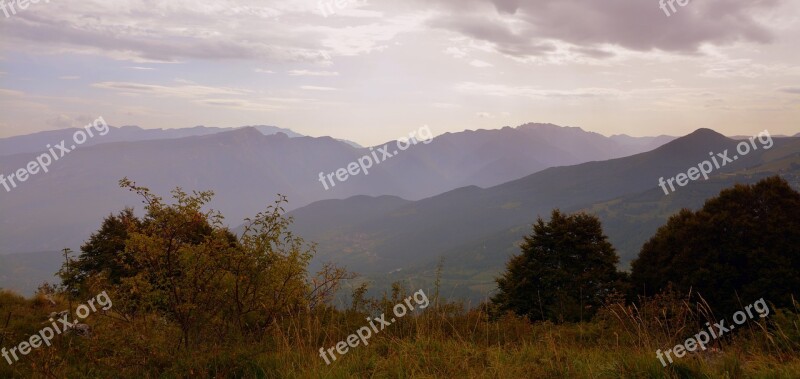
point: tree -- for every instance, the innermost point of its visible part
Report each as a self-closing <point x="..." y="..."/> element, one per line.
<point x="180" y="263"/>
<point x="177" y="250"/>
<point x="741" y="246"/>
<point x="269" y="271"/>
<point x="566" y="270"/>
<point x="104" y="252"/>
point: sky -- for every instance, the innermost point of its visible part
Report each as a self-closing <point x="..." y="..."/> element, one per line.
<point x="371" y="71"/>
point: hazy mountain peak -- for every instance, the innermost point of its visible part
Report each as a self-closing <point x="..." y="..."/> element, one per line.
<point x="244" y="134"/>
<point x="705" y="133"/>
<point x="552" y="127"/>
<point x="700" y="139"/>
<point x="538" y="125"/>
<point x="270" y="130"/>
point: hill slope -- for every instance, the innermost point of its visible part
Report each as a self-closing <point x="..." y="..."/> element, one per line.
<point x="246" y="169"/>
<point x="477" y="229"/>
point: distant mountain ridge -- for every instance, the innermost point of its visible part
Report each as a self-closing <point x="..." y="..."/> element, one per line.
<point x="247" y="169"/>
<point x="478" y="228"/>
<point x="384" y="237"/>
<point x="36" y="142"/>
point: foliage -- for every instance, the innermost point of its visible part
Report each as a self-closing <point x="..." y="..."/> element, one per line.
<point x="566" y="270"/>
<point x="746" y="241"/>
<point x="192" y="299"/>
<point x="180" y="264"/>
<point x="620" y="342"/>
<point x="104" y="252"/>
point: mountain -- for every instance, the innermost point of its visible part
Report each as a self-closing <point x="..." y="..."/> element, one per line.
<point x="478" y="229"/>
<point x="36" y="142"/>
<point x="387" y="238"/>
<point x="246" y="169"/>
<point x="644" y="143"/>
<point x="268" y="130"/>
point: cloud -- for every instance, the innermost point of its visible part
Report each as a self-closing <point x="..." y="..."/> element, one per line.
<point x="500" y="90"/>
<point x="312" y="73"/>
<point x="188" y="91"/>
<point x="183" y="30"/>
<point x="446" y="105"/>
<point x="480" y="64"/>
<point x="10" y="93"/>
<point x="141" y="68"/>
<point x="792" y="90"/>
<point x="317" y="88"/>
<point x="665" y="81"/>
<point x="65" y="121"/>
<point x="240" y="104"/>
<point x="456" y="52"/>
<point x="174" y="31"/>
<point x="69" y="77"/>
<point x="264" y="71"/>
<point x="527" y="28"/>
<point x="484" y="115"/>
<point x="13" y="100"/>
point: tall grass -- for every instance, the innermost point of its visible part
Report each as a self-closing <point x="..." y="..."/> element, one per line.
<point x="446" y="340"/>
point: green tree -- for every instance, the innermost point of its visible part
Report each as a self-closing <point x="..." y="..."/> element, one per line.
<point x="741" y="246"/>
<point x="104" y="252"/>
<point x="180" y="263"/>
<point x="269" y="272"/>
<point x="178" y="249"/>
<point x="566" y="270"/>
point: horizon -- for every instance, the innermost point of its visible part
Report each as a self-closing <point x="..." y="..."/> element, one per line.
<point x="435" y="135"/>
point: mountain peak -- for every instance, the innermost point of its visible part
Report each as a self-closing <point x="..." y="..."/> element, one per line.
<point x="546" y="126"/>
<point x="705" y="133"/>
<point x="701" y="139"/>
<point x="247" y="133"/>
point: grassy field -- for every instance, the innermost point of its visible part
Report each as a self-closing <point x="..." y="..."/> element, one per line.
<point x="441" y="342"/>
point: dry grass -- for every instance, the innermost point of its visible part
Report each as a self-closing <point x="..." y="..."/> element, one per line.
<point x="440" y="343"/>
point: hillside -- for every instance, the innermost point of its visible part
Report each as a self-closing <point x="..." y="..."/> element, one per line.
<point x="476" y="229"/>
<point x="247" y="169"/>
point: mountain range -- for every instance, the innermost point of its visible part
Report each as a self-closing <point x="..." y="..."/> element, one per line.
<point x="36" y="142"/>
<point x="247" y="169"/>
<point x="476" y="230"/>
<point x="468" y="197"/>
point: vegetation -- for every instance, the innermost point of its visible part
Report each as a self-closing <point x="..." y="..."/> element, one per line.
<point x="181" y="264"/>
<point x="192" y="299"/>
<point x="565" y="272"/>
<point x="745" y="242"/>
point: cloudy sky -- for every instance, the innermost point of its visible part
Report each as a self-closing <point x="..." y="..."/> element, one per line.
<point x="374" y="70"/>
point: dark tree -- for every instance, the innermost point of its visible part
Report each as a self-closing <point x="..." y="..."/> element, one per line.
<point x="566" y="270"/>
<point x="741" y="246"/>
<point x="104" y="252"/>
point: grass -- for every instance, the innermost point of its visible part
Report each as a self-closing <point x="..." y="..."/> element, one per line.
<point x="448" y="342"/>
